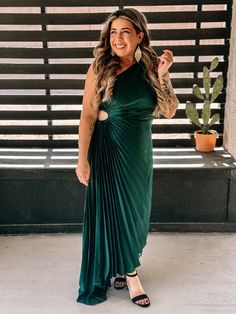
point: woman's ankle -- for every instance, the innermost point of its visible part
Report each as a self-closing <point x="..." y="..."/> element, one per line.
<point x="119" y="275"/>
<point x="133" y="273"/>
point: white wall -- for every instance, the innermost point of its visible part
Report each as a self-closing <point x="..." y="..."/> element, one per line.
<point x="230" y="107"/>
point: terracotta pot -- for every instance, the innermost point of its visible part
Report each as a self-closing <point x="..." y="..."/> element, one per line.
<point x="205" y="142"/>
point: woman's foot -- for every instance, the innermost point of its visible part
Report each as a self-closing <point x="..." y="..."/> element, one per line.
<point x="120" y="281"/>
<point x="136" y="291"/>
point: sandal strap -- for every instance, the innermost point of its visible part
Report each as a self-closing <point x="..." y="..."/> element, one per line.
<point x="132" y="275"/>
<point x="120" y="279"/>
<point x="140" y="297"/>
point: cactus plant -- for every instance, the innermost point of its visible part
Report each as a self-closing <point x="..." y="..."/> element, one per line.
<point x="208" y="99"/>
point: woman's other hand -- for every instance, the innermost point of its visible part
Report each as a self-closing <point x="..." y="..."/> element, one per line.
<point x="83" y="172"/>
<point x="166" y="60"/>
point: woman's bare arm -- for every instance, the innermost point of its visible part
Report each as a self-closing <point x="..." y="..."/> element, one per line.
<point x="88" y="118"/>
<point x="170" y="98"/>
<point x="88" y="115"/>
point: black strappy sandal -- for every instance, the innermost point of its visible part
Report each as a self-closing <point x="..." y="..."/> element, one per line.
<point x="139" y="297"/>
<point x="120" y="279"/>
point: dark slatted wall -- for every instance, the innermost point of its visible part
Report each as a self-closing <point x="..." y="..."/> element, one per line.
<point x="46" y="48"/>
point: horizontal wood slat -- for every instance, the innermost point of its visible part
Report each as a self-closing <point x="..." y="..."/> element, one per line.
<point x="93" y="35"/>
<point x="79" y="84"/>
<point x="41" y="53"/>
<point x="68" y="129"/>
<point x="40" y="115"/>
<point x="69" y="114"/>
<point x="41" y="84"/>
<point x="70" y="99"/>
<point x="171" y="142"/>
<point x="98" y="18"/>
<point x="68" y="3"/>
<point x="82" y="68"/>
<point x="180" y="128"/>
<point x="38" y="99"/>
<point x="178" y="143"/>
<point x="45" y="53"/>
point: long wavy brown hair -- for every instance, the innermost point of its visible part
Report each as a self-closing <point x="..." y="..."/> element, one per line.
<point x="105" y="65"/>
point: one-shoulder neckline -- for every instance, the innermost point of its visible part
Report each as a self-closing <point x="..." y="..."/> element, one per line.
<point x="127" y="69"/>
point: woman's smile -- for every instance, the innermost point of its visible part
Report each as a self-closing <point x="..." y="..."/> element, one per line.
<point x="119" y="46"/>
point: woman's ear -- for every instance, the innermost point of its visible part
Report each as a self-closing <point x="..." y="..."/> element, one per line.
<point x="140" y="35"/>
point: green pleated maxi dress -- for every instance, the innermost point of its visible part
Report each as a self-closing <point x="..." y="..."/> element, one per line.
<point x="117" y="203"/>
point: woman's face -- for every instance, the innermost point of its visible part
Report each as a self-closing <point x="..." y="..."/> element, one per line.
<point x="124" y="39"/>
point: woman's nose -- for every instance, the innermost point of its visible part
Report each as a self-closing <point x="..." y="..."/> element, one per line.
<point x="119" y="35"/>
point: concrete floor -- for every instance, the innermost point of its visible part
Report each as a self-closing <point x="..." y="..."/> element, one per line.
<point x="181" y="273"/>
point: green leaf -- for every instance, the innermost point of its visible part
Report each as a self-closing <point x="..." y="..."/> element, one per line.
<point x="206" y="81"/>
<point x="206" y="112"/>
<point x="192" y="113"/>
<point x="197" y="92"/>
<point x="214" y="64"/>
<point x="217" y="88"/>
<point x="214" y="119"/>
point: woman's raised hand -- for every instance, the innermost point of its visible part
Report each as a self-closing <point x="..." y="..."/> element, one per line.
<point x="83" y="172"/>
<point x="166" y="60"/>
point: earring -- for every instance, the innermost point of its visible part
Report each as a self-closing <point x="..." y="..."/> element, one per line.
<point x="138" y="54"/>
<point x="112" y="53"/>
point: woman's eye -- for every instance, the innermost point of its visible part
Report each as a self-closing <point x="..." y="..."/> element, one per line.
<point x="114" y="32"/>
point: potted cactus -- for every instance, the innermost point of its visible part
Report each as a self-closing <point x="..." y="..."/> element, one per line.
<point x="205" y="137"/>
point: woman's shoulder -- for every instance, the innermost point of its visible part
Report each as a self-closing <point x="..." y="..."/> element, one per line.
<point x="91" y="74"/>
<point x="91" y="68"/>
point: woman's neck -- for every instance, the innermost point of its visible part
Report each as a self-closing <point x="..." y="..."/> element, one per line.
<point x="126" y="62"/>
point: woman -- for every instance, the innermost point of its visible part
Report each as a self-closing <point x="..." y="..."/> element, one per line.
<point x="126" y="86"/>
